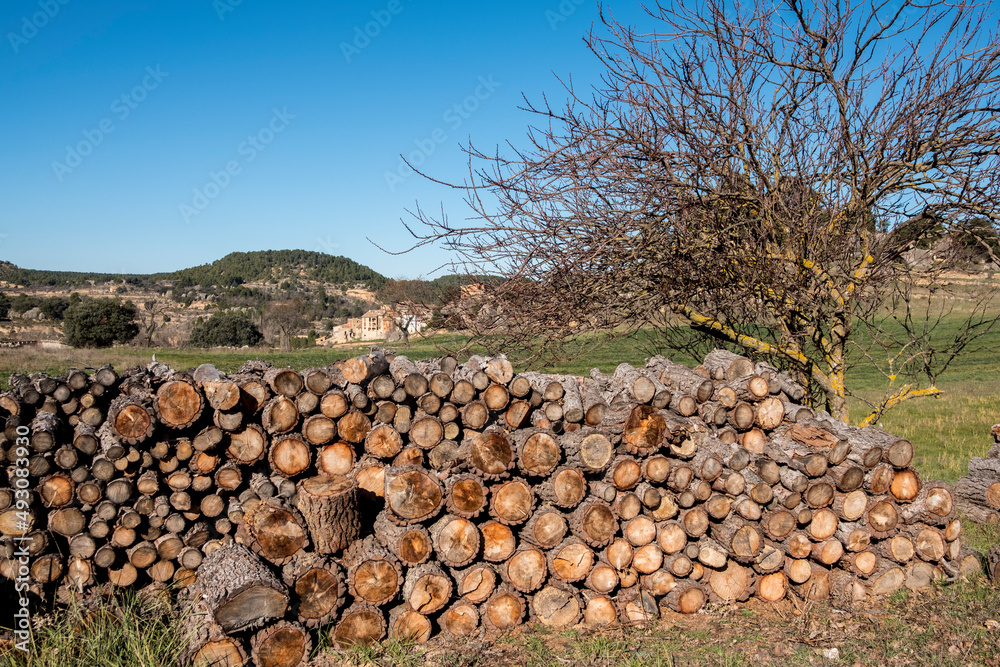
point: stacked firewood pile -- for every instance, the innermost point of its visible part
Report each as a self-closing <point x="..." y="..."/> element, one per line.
<point x="380" y="496"/>
<point x="977" y="495"/>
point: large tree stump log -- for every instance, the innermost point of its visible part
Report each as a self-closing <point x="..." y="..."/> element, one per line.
<point x="644" y="431"/>
<point x="526" y="570"/>
<point x="383" y="442"/>
<point x="338" y="458"/>
<point x="329" y="505"/>
<point x="882" y="519"/>
<point x="512" y="502"/>
<point x="546" y="528"/>
<point x="354" y="426"/>
<point x="499" y="542"/>
<point x="538" y="451"/>
<point x="978" y="493"/>
<point x="595" y="523"/>
<point x="290" y="455"/>
<point x="600" y="609"/>
<point x="247" y="446"/>
<point x="557" y="606"/>
<point x="284" y="381"/>
<point x="567" y="487"/>
<point x="280" y="415"/>
<point x="490" y="454"/>
<point x="239" y="589"/>
<point x="476" y="583"/>
<point x="636" y="605"/>
<point x="993" y="563"/>
<point x="680" y="379"/>
<point x="571" y="560"/>
<point x="723" y="365"/>
<point x="934" y="505"/>
<point x="588" y="449"/>
<point x="273" y="531"/>
<point x="594" y="406"/>
<point x="360" y="370"/>
<point x="131" y="419"/>
<point x="686" y="598"/>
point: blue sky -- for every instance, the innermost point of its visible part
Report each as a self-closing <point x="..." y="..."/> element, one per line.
<point x="150" y="136"/>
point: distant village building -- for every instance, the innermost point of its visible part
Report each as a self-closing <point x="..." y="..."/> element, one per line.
<point x="379" y="324"/>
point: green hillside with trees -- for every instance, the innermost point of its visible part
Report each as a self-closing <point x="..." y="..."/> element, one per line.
<point x="274" y="266"/>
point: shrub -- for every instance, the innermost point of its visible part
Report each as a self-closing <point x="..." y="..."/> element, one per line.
<point x="99" y="323"/>
<point x="54" y="308"/>
<point x="226" y="329"/>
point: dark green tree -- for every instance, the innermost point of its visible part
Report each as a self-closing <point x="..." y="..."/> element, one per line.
<point x="54" y="308"/>
<point x="22" y="303"/>
<point x="4" y="306"/>
<point x="99" y="323"/>
<point x="226" y="329"/>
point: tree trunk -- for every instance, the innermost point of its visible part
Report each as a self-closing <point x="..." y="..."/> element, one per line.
<point x="329" y="505"/>
<point x="411" y="544"/>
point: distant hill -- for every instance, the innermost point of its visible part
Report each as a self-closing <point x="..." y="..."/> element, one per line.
<point x="234" y="269"/>
<point x="14" y="274"/>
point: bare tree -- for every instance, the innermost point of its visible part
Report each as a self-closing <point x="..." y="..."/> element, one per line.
<point x="151" y="318"/>
<point x="285" y="318"/>
<point x="752" y="174"/>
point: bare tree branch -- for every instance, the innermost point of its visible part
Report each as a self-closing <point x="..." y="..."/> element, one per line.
<point x="760" y="174"/>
